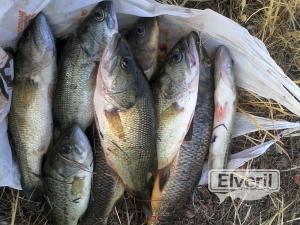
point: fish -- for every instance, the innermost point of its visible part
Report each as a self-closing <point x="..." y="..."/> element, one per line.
<point x="67" y="174"/>
<point x="143" y="39"/>
<point x="173" y="185"/>
<point x="175" y="92"/>
<point x="125" y="116"/>
<point x="30" y="117"/>
<point x="225" y="98"/>
<point x="73" y="102"/>
<point x="107" y="187"/>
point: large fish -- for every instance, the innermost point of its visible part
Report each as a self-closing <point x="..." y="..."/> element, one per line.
<point x="173" y="185"/>
<point x="30" y="118"/>
<point x="175" y="92"/>
<point x="225" y="107"/>
<point x="143" y="39"/>
<point x="107" y="187"/>
<point x="125" y="113"/>
<point x="67" y="175"/>
<point x="78" y="67"/>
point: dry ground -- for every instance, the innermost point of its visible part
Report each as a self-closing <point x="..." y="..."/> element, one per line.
<point x="276" y="22"/>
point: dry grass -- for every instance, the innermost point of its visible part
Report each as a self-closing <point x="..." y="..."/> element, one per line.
<point x="276" y="22"/>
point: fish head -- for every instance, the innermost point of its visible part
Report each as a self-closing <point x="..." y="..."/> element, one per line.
<point x="223" y="67"/>
<point x="98" y="27"/>
<point x="121" y="75"/>
<point x="37" y="42"/>
<point x="72" y="153"/>
<point x="181" y="68"/>
<point x="145" y="31"/>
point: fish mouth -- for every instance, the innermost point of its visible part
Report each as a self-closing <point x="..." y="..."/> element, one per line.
<point x="111" y="20"/>
<point x="223" y="60"/>
<point x="43" y="37"/>
<point x="79" y="139"/>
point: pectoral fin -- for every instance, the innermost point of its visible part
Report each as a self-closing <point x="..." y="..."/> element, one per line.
<point x="171" y="112"/>
<point x="159" y="183"/>
<point x="28" y="90"/>
<point x="115" y="123"/>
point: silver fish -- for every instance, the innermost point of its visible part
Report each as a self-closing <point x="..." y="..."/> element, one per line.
<point x="30" y="118"/>
<point x="80" y="57"/>
<point x="124" y="110"/>
<point x="67" y="175"/>
<point x="175" y="93"/>
<point x="225" y="107"/>
<point x="173" y="185"/>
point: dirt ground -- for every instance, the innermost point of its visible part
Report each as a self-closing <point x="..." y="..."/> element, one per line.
<point x="276" y="22"/>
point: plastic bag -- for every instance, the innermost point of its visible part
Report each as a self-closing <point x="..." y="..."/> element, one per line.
<point x="9" y="174"/>
<point x="255" y="70"/>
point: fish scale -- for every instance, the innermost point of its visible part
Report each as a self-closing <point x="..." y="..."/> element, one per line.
<point x="107" y="188"/>
<point x="74" y="90"/>
<point x="182" y="175"/>
<point x="133" y="154"/>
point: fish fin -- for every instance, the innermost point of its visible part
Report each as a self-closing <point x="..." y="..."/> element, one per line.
<point x="115" y="123"/>
<point x="94" y="73"/>
<point x="221" y="111"/>
<point x="161" y="179"/>
<point x="28" y="90"/>
<point x="78" y="186"/>
<point x="29" y="82"/>
<point x="171" y="111"/>
<point x="189" y="134"/>
<point x="143" y="201"/>
<point x="33" y="190"/>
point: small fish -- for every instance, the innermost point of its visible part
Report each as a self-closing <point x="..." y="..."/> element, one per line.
<point x="174" y="185"/>
<point x="125" y="117"/>
<point x="175" y="92"/>
<point x="78" y="67"/>
<point x="225" y="107"/>
<point x="67" y="175"/>
<point x="107" y="187"/>
<point x="30" y="118"/>
<point x="143" y="38"/>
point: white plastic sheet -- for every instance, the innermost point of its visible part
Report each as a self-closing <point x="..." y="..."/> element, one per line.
<point x="240" y="158"/>
<point x="9" y="174"/>
<point x="255" y="70"/>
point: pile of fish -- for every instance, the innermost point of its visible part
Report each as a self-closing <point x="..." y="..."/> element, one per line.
<point x="108" y="118"/>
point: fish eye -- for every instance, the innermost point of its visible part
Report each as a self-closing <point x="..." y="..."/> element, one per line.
<point x="177" y="56"/>
<point x="140" y="31"/>
<point x="99" y="16"/>
<point x="124" y="63"/>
